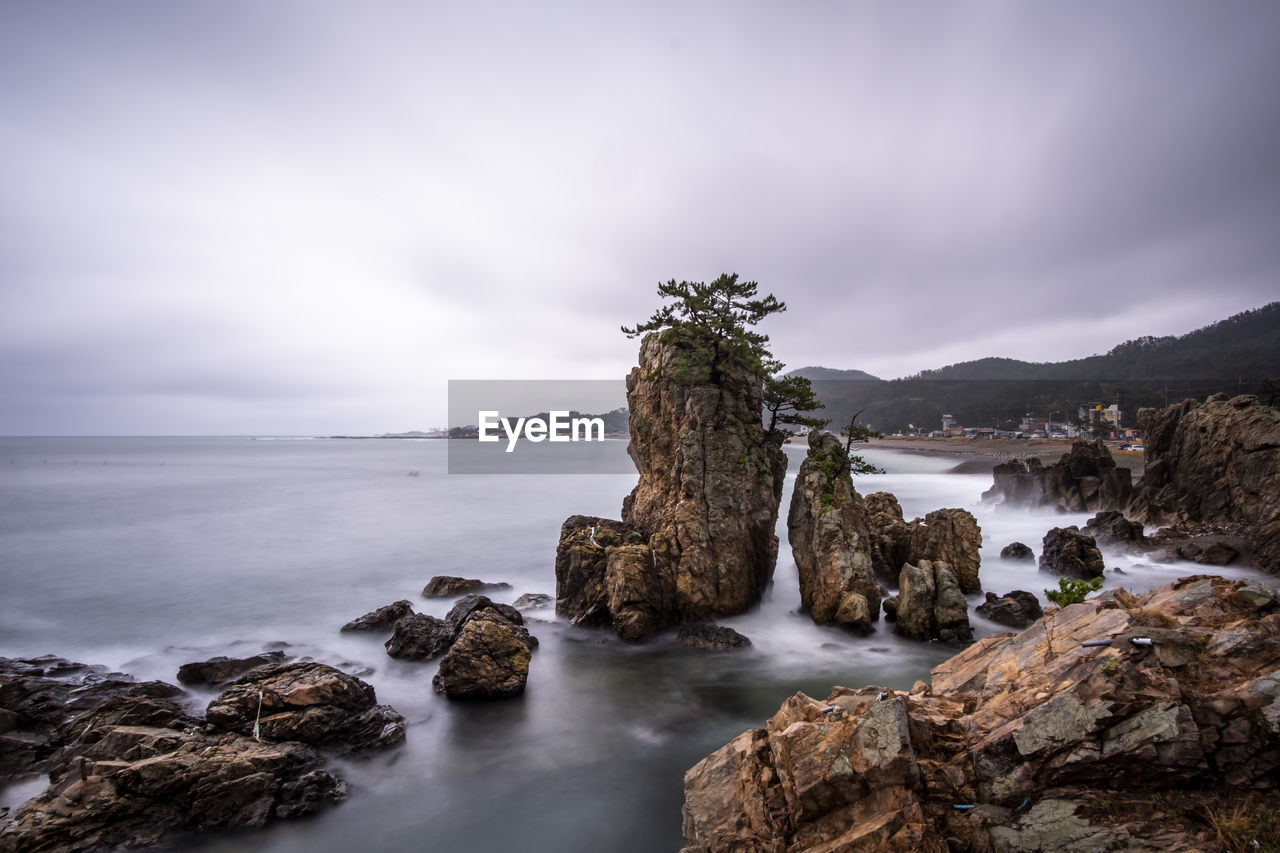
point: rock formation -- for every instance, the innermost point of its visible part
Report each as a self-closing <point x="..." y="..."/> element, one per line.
<point x="1017" y="737"/>
<point x="827" y="528"/>
<point x="1017" y="551"/>
<point x="1068" y="552"/>
<point x="1084" y="479"/>
<point x="128" y="764"/>
<point x="697" y="536"/>
<point x="447" y="586"/>
<point x="1216" y="462"/>
<point x="930" y="605"/>
<point x="307" y="702"/>
<point x="383" y="617"/>
<point x="488" y="660"/>
<point x="1017" y="609"/>
<point x="219" y="670"/>
<point x="1113" y="529"/>
<point x="711" y="637"/>
<point x="419" y="636"/>
<point x="948" y="535"/>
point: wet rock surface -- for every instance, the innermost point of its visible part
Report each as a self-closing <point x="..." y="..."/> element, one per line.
<point x="1017" y="551"/>
<point x="419" y="636"/>
<point x="219" y="670"/>
<point x="827" y="528"/>
<point x="382" y="618"/>
<point x="1069" y="552"/>
<point x="447" y="586"/>
<point x="1029" y="729"/>
<point x="951" y="536"/>
<point x="930" y="605"/>
<point x="1113" y="529"/>
<point x="488" y="660"/>
<point x="1016" y="609"/>
<point x="129" y="763"/>
<point x="711" y="637"/>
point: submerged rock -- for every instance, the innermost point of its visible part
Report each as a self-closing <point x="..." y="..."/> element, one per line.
<point x="1214" y="462"/>
<point x="1069" y="552"/>
<point x="220" y="670"/>
<point x="533" y="601"/>
<point x="383" y="617"/>
<point x="1032" y="729"/>
<point x="712" y="637"/>
<point x="827" y="528"/>
<point x="447" y="586"/>
<point x="1017" y="551"/>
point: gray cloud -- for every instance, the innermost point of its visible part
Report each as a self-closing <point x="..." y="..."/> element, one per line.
<point x="297" y="217"/>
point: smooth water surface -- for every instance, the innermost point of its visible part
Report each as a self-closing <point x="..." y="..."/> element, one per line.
<point x="146" y="553"/>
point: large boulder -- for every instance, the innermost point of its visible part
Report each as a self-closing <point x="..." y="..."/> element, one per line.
<point x="951" y="536"/>
<point x="447" y="586"/>
<point x="710" y="481"/>
<point x="420" y="636"/>
<point x="1085" y="478"/>
<point x="827" y="528"/>
<point x="889" y="536"/>
<point x="1111" y="528"/>
<point x="1026" y="733"/>
<point x="582" y="561"/>
<point x="1214" y="462"/>
<point x="221" y="669"/>
<point x="930" y="605"/>
<point x="1016" y="609"/>
<point x="308" y="702"/>
<point x="1068" y="552"/>
<point x="489" y="659"/>
<point x="711" y="637"/>
<point x="1017" y="551"/>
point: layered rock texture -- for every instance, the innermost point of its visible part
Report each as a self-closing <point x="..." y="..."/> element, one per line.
<point x="128" y="763"/>
<point x="1018" y="737"/>
<point x="697" y="536"/>
<point x="1214" y="462"/>
<point x="1084" y="479"/>
<point x="951" y="536"/>
<point x="930" y="604"/>
<point x="830" y="540"/>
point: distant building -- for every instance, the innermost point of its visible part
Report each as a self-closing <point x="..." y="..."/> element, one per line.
<point x="949" y="422"/>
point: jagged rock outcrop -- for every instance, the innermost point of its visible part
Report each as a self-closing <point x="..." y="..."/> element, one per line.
<point x="419" y="636"/>
<point x="930" y="605"/>
<point x="533" y="601"/>
<point x="1216" y="462"/>
<point x="889" y="536"/>
<point x="1113" y="529"/>
<point x="307" y="702"/>
<point x="827" y="528"/>
<point x="948" y="535"/>
<point x="951" y="536"/>
<point x="447" y="586"/>
<point x="1017" y="609"/>
<point x="711" y="637"/>
<point x="128" y="763"/>
<point x="697" y="536"/>
<point x="1084" y="479"/>
<point x="1017" y="551"/>
<point x="219" y="670"/>
<point x="382" y="618"/>
<point x="1028" y="729"/>
<point x="1068" y="552"/>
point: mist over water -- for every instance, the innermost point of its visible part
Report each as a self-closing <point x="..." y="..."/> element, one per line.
<point x="145" y="553"/>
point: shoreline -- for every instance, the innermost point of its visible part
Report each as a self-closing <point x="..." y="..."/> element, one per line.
<point x="982" y="455"/>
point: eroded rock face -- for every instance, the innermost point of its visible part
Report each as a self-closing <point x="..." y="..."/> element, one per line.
<point x="710" y="482"/>
<point x="1017" y="609"/>
<point x="889" y="535"/>
<point x="1112" y="528"/>
<point x="949" y="535"/>
<point x="930" y="605"/>
<point x="1067" y="551"/>
<point x="827" y="528"/>
<point x="712" y="637"/>
<point x="307" y="702"/>
<point x="1084" y="479"/>
<point x="447" y="586"/>
<point x="128" y="763"/>
<point x="489" y="659"/>
<point x="1017" y="551"/>
<point x="419" y="636"/>
<point x="582" y="563"/>
<point x="1032" y="727"/>
<point x="1218" y="462"/>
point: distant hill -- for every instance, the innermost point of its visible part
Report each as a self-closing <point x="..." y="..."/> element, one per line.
<point x="816" y="374"/>
<point x="1235" y="355"/>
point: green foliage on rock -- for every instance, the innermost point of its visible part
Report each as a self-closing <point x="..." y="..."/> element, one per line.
<point x="1072" y="590"/>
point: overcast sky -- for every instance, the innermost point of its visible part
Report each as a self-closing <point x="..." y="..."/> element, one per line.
<point x="304" y="217"/>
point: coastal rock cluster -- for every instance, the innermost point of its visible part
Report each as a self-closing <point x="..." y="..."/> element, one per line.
<point x="1215" y="462"/>
<point x="128" y="762"/>
<point x="951" y="536"/>
<point x="1085" y="479"/>
<point x="930" y="604"/>
<point x="1018" y="737"/>
<point x="696" y="538"/>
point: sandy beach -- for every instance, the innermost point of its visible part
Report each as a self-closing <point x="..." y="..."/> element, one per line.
<point x="977" y="455"/>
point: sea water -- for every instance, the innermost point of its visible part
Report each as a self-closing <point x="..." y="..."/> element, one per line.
<point x="142" y="554"/>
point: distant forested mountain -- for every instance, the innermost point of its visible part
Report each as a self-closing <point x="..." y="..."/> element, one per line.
<point x="831" y="374"/>
<point x="1235" y="355"/>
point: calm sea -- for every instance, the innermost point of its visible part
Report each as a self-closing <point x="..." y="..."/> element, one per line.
<point x="146" y="553"/>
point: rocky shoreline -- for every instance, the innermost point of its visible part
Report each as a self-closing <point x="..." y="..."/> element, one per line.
<point x="981" y="455"/>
